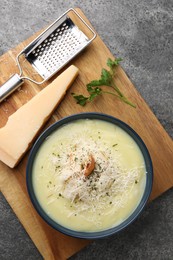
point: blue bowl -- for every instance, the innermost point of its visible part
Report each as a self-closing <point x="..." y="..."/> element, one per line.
<point x="135" y="213"/>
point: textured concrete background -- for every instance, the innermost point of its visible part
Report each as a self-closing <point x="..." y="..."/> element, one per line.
<point x="141" y="32"/>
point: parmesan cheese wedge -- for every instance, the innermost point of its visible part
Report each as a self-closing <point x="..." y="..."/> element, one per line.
<point x="22" y="126"/>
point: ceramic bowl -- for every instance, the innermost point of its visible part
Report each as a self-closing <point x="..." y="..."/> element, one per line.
<point x="134" y="214"/>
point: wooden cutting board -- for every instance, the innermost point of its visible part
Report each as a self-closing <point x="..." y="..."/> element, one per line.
<point x="50" y="243"/>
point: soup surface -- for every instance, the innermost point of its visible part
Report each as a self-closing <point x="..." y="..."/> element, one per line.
<point x="89" y="175"/>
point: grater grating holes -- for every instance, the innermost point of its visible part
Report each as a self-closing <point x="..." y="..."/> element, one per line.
<point x="57" y="48"/>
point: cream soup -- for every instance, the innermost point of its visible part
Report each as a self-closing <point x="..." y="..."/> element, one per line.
<point x="89" y="175"/>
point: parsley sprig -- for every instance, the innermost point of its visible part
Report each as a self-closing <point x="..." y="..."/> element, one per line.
<point x="107" y="79"/>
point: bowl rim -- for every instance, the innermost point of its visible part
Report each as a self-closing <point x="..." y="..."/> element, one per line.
<point x="138" y="209"/>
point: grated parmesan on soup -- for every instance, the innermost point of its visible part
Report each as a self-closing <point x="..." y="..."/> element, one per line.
<point x="89" y="175"/>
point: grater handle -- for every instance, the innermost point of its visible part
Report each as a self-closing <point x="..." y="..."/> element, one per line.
<point x="10" y="86"/>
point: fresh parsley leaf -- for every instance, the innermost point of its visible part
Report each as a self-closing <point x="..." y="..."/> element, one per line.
<point x="94" y="92"/>
<point x="93" y="89"/>
<point x="80" y="99"/>
<point x="106" y="79"/>
<point x="113" y="63"/>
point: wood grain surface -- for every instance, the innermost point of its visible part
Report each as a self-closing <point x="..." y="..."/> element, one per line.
<point x="50" y="243"/>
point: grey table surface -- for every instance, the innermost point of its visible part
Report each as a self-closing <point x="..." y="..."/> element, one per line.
<point x="141" y="32"/>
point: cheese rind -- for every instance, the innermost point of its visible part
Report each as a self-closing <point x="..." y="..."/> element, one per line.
<point x="22" y="126"/>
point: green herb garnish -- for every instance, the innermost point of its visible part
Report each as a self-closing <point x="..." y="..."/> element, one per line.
<point x="107" y="79"/>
